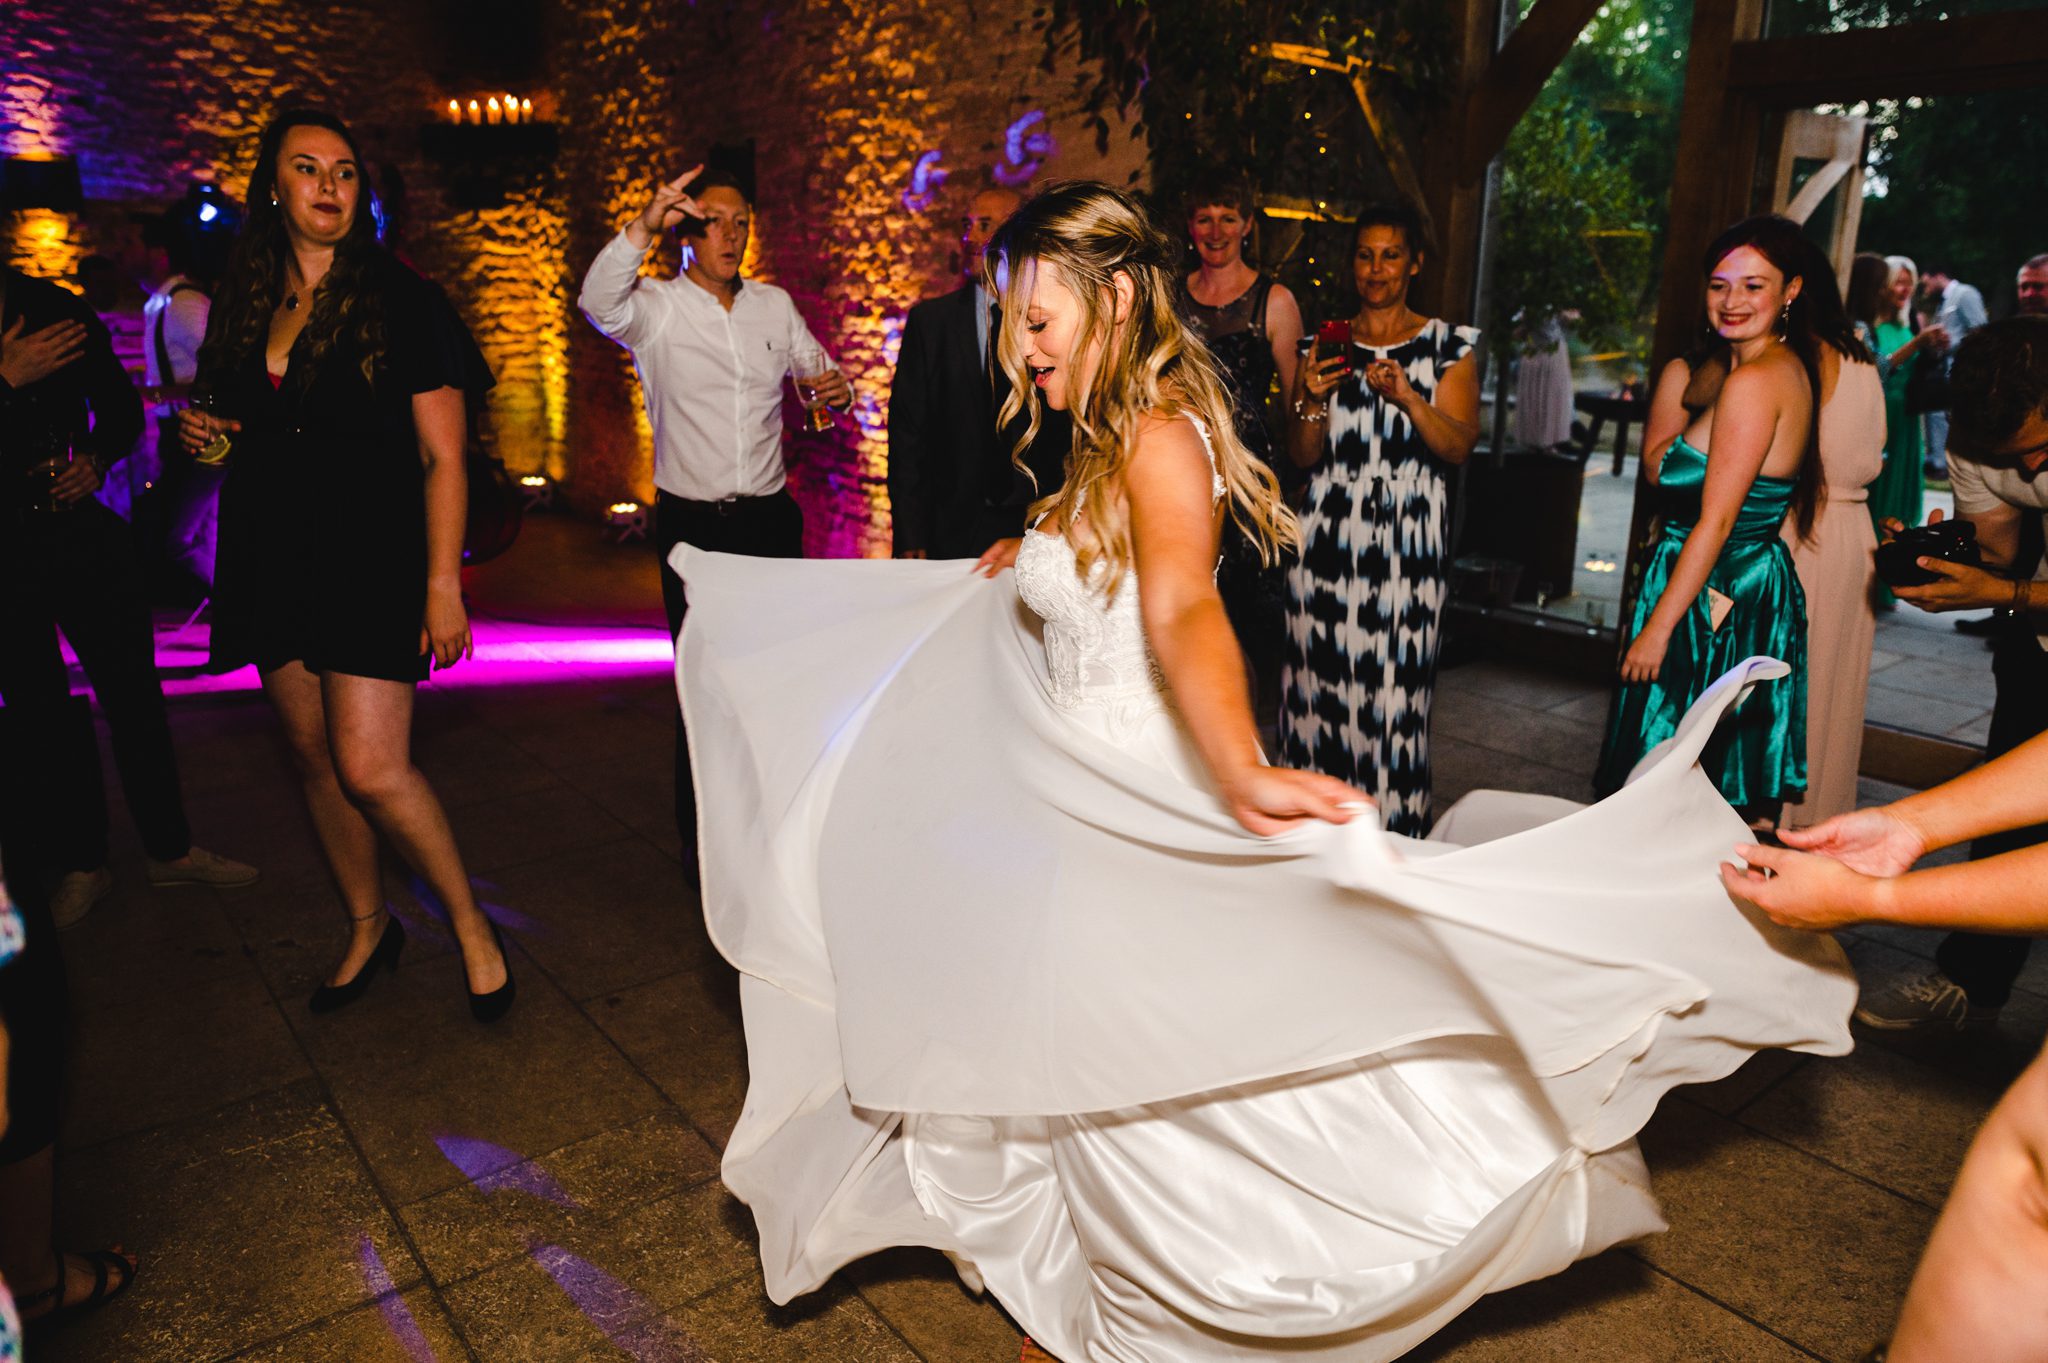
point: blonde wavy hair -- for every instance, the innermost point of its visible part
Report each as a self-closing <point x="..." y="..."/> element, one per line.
<point x="1149" y="364"/>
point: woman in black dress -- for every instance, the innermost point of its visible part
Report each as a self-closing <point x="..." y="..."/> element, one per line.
<point x="339" y="378"/>
<point x="1252" y="324"/>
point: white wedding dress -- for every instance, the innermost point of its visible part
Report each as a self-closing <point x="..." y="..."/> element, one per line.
<point x="1017" y="988"/>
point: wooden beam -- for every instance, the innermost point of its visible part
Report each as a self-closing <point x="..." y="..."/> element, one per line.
<point x="1455" y="202"/>
<point x="1515" y="76"/>
<point x="1947" y="56"/>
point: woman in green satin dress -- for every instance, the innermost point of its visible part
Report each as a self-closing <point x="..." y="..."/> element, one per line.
<point x="1888" y="312"/>
<point x="1718" y="585"/>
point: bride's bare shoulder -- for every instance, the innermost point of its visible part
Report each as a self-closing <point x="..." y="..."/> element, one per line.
<point x="1169" y="450"/>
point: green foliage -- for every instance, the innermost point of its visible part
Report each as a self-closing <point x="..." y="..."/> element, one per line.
<point x="1963" y="182"/>
<point x="1211" y="102"/>
<point x="1572" y="230"/>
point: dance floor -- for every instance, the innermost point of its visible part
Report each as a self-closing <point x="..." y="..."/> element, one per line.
<point x="393" y="1182"/>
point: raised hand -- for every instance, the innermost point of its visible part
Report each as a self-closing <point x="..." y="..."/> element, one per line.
<point x="1875" y="841"/>
<point x="28" y="356"/>
<point x="668" y="207"/>
<point x="197" y="429"/>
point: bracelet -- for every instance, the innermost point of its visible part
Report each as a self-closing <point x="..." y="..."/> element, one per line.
<point x="1322" y="412"/>
<point x="2022" y="598"/>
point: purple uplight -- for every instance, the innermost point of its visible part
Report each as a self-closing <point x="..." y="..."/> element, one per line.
<point x="508" y="653"/>
<point x="628" y="1319"/>
<point x="1026" y="145"/>
<point x="398" y="1318"/>
<point x="492" y="1168"/>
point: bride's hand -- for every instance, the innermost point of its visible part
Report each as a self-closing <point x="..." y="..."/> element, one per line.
<point x="998" y="556"/>
<point x="1270" y="800"/>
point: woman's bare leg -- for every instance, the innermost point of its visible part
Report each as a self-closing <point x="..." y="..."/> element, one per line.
<point x="1981" y="1291"/>
<point x="346" y="838"/>
<point x="369" y="731"/>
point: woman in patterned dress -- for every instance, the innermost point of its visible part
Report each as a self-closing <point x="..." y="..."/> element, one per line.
<point x="1379" y="426"/>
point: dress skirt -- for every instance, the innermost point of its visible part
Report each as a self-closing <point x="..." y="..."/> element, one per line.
<point x="1017" y="988"/>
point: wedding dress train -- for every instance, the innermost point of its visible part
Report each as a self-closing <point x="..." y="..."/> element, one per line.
<point x="1016" y="987"/>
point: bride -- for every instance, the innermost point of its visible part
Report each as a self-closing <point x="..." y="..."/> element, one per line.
<point x="1021" y="984"/>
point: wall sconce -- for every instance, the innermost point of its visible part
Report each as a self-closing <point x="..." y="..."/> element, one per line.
<point x="628" y="521"/>
<point x="40" y="182"/>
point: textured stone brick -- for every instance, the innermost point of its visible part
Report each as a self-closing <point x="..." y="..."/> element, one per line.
<point x="839" y="100"/>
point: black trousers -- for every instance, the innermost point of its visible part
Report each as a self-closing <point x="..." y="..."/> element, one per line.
<point x="763" y="527"/>
<point x="79" y="571"/>
<point x="1983" y="964"/>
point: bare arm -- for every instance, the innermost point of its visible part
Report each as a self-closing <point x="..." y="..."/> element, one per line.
<point x="439" y="417"/>
<point x="1316" y="377"/>
<point x="1449" y="426"/>
<point x="1175" y="530"/>
<point x="1283" y="329"/>
<point x="1745" y="423"/>
<point x="1668" y="417"/>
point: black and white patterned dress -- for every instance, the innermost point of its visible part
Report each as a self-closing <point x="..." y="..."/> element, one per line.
<point x="1366" y="599"/>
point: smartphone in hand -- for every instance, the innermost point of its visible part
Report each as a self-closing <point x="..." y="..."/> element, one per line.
<point x="1333" y="339"/>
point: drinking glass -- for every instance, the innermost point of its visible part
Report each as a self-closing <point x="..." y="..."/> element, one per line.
<point x="810" y="366"/>
<point x="207" y="399"/>
<point x="50" y="455"/>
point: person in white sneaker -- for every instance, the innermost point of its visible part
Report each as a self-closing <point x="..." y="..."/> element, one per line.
<point x="66" y="562"/>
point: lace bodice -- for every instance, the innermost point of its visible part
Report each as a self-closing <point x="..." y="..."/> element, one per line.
<point x="1095" y="648"/>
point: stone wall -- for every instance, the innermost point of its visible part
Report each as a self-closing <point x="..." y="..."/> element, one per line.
<point x="839" y="100"/>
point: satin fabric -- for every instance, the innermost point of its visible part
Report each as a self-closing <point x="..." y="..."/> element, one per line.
<point x="1759" y="757"/>
<point x="1017" y="988"/>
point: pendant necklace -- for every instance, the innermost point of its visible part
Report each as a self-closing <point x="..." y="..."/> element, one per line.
<point x="291" y="301"/>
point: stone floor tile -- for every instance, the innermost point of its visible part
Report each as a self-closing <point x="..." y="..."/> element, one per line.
<point x="558" y="1305"/>
<point x="1458" y="768"/>
<point x="250" y="1222"/>
<point x="1610" y="1308"/>
<point x="1917" y="713"/>
<point x="567" y="1196"/>
<point x="920" y="1296"/>
<point x="738" y="1324"/>
<point x="494" y="834"/>
<point x="684" y="1033"/>
<point x="142" y="946"/>
<point x="1590" y="707"/>
<point x="595" y="728"/>
<point x="1730" y="1095"/>
<point x="466" y="761"/>
<point x="1967" y="683"/>
<point x="1815" y="1255"/>
<point x="639" y="794"/>
<point x="409" y="1067"/>
<point x="605" y="918"/>
<point x="399" y="1327"/>
<point x="1534" y="735"/>
<point x="137" y="1067"/>
<point x="295" y="935"/>
<point x="1897" y="1122"/>
<point x="1516" y="685"/>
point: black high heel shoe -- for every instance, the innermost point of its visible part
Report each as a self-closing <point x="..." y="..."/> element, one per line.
<point x="494" y="1005"/>
<point x="390" y="942"/>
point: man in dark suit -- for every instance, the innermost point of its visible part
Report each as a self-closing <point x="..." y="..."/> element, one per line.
<point x="953" y="490"/>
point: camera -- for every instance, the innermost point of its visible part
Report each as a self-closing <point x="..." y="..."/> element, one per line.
<point x="1950" y="541"/>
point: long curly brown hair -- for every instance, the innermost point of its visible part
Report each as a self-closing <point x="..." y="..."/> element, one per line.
<point x="347" y="315"/>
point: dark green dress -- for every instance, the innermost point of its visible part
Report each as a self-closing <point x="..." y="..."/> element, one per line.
<point x="1759" y="755"/>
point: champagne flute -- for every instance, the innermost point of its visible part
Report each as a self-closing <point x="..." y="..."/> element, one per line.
<point x="810" y="366"/>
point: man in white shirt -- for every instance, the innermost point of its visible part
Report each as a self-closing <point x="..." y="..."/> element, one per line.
<point x="173" y="326"/>
<point x="1958" y="311"/>
<point x="1998" y="451"/>
<point x="712" y="350"/>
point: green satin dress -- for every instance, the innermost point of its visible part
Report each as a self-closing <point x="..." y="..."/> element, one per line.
<point x="1759" y="756"/>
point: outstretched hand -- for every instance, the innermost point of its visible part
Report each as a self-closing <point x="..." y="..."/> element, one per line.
<point x="1272" y="800"/>
<point x="1802" y="889"/>
<point x="998" y="556"/>
<point x="1875" y="842"/>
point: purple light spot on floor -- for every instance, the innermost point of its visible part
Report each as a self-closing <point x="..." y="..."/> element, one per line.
<point x="397" y="1317"/>
<point x="492" y="1168"/>
<point x="628" y="1319"/>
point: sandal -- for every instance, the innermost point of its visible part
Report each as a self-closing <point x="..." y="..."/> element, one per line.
<point x="105" y="1287"/>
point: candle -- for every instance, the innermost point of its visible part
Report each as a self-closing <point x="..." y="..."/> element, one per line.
<point x="454" y="111"/>
<point x="492" y="113"/>
<point x="475" y="112"/>
<point x="526" y="111"/>
<point x="511" y="109"/>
